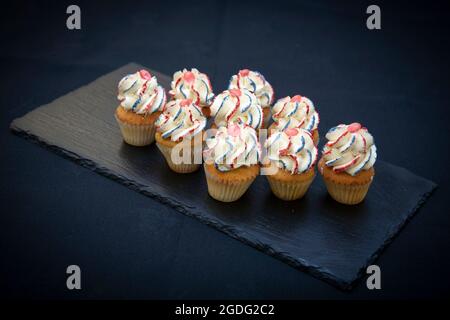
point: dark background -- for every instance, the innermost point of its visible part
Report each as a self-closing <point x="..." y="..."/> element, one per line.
<point x="55" y="213"/>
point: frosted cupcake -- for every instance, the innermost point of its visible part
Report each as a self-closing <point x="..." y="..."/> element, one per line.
<point x="179" y="135"/>
<point x="255" y="82"/>
<point x="347" y="162"/>
<point x="296" y="112"/>
<point x="292" y="156"/>
<point x="141" y="102"/>
<point x="231" y="161"/>
<point x="237" y="106"/>
<point x="193" y="85"/>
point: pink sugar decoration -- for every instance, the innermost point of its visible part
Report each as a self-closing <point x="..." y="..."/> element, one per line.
<point x="244" y="72"/>
<point x="296" y="98"/>
<point x="185" y="102"/>
<point x="355" y="126"/>
<point x="291" y="132"/>
<point x="189" y="77"/>
<point x="234" y="130"/>
<point x="145" y="74"/>
<point x="235" y="92"/>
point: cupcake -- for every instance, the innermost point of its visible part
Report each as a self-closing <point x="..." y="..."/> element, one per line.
<point x="236" y="105"/>
<point x="141" y="102"/>
<point x="291" y="154"/>
<point x="179" y="131"/>
<point x="193" y="85"/>
<point x="255" y="82"/>
<point x="231" y="161"/>
<point x="295" y="112"/>
<point x="347" y="163"/>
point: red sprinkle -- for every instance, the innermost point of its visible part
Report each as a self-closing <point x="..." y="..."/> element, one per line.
<point x="145" y="74"/>
<point x="291" y="132"/>
<point x="296" y="98"/>
<point x="189" y="77"/>
<point x="244" y="72"/>
<point x="235" y="92"/>
<point x="355" y="126"/>
<point x="185" y="102"/>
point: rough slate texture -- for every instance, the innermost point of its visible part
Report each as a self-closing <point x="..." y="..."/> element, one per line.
<point x="331" y="241"/>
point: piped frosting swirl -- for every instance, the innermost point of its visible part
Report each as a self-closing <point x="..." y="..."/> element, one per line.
<point x="232" y="147"/>
<point x="192" y="85"/>
<point x="295" y="112"/>
<point x="139" y="92"/>
<point x="350" y="149"/>
<point x="256" y="84"/>
<point x="234" y="105"/>
<point x="292" y="150"/>
<point x="180" y="119"/>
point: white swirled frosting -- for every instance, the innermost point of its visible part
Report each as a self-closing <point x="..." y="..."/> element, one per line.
<point x="232" y="147"/>
<point x="180" y="119"/>
<point x="350" y="149"/>
<point x="292" y="150"/>
<point x="192" y="85"/>
<point x="295" y="112"/>
<point x="139" y="92"/>
<point x="234" y="105"/>
<point x="255" y="83"/>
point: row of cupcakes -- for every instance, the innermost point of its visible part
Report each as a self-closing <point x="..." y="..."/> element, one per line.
<point x="233" y="156"/>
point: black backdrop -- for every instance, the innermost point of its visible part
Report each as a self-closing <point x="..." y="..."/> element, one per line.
<point x="55" y="213"/>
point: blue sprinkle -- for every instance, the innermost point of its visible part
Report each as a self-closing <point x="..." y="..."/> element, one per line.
<point x="126" y="90"/>
<point x="309" y="161"/>
<point x="287" y="124"/>
<point x="138" y="100"/>
<point x="249" y="103"/>
<point x="253" y="85"/>
<point x="182" y="92"/>
<point x="312" y="122"/>
<point x="221" y="105"/>
<point x="302" y="146"/>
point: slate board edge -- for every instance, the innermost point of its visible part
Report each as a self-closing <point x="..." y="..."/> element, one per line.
<point x="392" y="234"/>
<point x="316" y="271"/>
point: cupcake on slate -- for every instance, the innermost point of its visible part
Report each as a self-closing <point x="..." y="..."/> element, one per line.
<point x="231" y="161"/>
<point x="296" y="112"/>
<point x="141" y="102"/>
<point x="256" y="84"/>
<point x="347" y="162"/>
<point x="179" y="135"/>
<point x="292" y="156"/>
<point x="236" y="105"/>
<point x="193" y="85"/>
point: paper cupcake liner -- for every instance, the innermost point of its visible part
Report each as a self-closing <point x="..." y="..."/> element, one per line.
<point x="289" y="190"/>
<point x="315" y="136"/>
<point x="347" y="194"/>
<point x="138" y="135"/>
<point x="227" y="191"/>
<point x="266" y="117"/>
<point x="181" y="167"/>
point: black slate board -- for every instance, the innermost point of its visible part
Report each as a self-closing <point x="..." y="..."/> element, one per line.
<point x="331" y="241"/>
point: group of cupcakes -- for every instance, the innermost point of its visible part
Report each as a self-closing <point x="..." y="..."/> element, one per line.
<point x="236" y="149"/>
